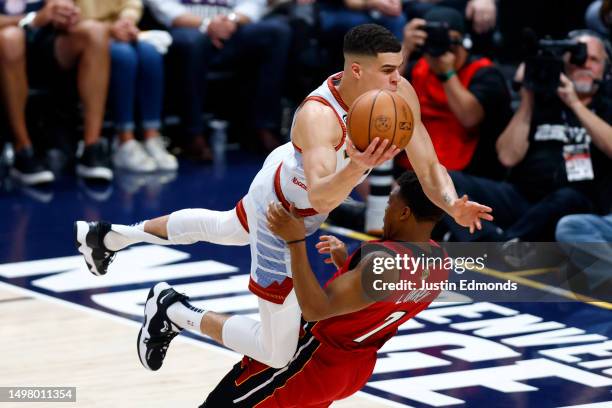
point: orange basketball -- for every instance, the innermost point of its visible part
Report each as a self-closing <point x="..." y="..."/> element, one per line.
<point x="383" y="114"/>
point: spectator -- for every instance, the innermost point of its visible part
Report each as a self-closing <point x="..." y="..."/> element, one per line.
<point x="465" y="103"/>
<point x="54" y="38"/>
<point x="137" y="70"/>
<point x="599" y="16"/>
<point x="559" y="149"/>
<point x="336" y="17"/>
<point x="587" y="239"/>
<point x="482" y="15"/>
<point x="225" y="35"/>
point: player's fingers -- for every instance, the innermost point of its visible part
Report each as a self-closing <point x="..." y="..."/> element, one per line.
<point x="372" y="147"/>
<point x="328" y="260"/>
<point x="471" y="228"/>
<point x="391" y="153"/>
<point x="478" y="225"/>
<point x="485" y="216"/>
<point x="484" y="208"/>
<point x="380" y="150"/>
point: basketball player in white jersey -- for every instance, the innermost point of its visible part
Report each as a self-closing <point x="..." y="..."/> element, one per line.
<point x="315" y="172"/>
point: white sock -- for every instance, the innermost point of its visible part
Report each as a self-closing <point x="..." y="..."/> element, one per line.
<point x="186" y="315"/>
<point x="121" y="236"/>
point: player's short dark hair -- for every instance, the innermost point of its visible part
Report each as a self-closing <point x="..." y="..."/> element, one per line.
<point x="413" y="196"/>
<point x="370" y="40"/>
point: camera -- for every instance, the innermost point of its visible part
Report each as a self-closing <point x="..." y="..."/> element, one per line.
<point x="544" y="63"/>
<point x="438" y="39"/>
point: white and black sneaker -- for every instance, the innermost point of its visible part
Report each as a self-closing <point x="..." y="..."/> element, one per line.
<point x="157" y="330"/>
<point x="89" y="239"/>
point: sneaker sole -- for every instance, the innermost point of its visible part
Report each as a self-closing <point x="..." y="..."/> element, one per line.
<point x="42" y="177"/>
<point x="101" y="173"/>
<point x="149" y="312"/>
<point x="81" y="228"/>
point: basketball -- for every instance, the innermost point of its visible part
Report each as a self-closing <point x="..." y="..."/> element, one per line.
<point x="383" y="114"/>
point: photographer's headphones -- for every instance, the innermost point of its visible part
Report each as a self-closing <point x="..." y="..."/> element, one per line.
<point x="575" y="34"/>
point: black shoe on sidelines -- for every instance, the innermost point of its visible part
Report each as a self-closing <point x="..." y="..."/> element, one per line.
<point x="94" y="163"/>
<point x="29" y="170"/>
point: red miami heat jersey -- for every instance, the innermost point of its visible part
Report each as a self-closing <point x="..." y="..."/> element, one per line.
<point x="368" y="329"/>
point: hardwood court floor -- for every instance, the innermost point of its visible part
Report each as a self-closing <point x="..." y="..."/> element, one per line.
<point x="56" y="344"/>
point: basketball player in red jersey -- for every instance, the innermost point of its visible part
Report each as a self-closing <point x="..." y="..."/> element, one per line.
<point x="347" y="321"/>
<point x="316" y="171"/>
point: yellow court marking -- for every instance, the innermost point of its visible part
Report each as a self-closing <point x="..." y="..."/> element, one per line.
<point x="513" y="276"/>
<point x="531" y="272"/>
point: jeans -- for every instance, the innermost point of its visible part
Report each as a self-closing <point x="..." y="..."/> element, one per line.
<point x="515" y="216"/>
<point x="262" y="46"/>
<point x="137" y="77"/>
<point x="578" y="235"/>
<point x="336" y="20"/>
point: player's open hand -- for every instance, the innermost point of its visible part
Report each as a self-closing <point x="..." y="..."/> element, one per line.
<point x="328" y="244"/>
<point x="470" y="214"/>
<point x="287" y="225"/>
<point x="375" y="155"/>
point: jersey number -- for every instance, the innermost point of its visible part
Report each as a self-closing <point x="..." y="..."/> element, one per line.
<point x="392" y="318"/>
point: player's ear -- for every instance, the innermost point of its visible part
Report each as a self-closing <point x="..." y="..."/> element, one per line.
<point x="405" y="214"/>
<point x="356" y="69"/>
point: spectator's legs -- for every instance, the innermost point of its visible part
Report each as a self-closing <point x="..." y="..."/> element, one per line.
<point x="507" y="203"/>
<point x="538" y="223"/>
<point x="188" y="64"/>
<point x="86" y="46"/>
<point x="14" y="82"/>
<point x="393" y="24"/>
<point x="130" y="154"/>
<point x="124" y="66"/>
<point x="150" y="91"/>
<point x="268" y="41"/>
<point x="587" y="239"/>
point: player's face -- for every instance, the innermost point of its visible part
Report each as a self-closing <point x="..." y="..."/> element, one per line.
<point x="382" y="72"/>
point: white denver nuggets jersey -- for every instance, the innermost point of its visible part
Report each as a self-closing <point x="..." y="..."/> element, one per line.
<point x="289" y="177"/>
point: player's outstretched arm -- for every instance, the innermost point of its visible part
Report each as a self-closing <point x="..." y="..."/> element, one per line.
<point x="434" y="177"/>
<point x="344" y="295"/>
<point x="317" y="132"/>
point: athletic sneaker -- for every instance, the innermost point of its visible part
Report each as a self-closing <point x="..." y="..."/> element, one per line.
<point x="89" y="239"/>
<point x="157" y="150"/>
<point x="131" y="156"/>
<point x="29" y="170"/>
<point x="157" y="330"/>
<point x="94" y="163"/>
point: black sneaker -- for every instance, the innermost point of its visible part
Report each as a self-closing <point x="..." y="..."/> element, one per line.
<point x="29" y="170"/>
<point x="89" y="239"/>
<point x="157" y="330"/>
<point x="94" y="163"/>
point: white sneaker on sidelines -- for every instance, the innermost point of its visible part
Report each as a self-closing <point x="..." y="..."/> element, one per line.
<point x="157" y="150"/>
<point x="132" y="156"/>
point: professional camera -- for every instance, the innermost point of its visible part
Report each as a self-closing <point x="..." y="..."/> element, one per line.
<point x="438" y="39"/>
<point x="544" y="63"/>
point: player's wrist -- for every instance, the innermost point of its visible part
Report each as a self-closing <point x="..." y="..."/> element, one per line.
<point x="295" y="241"/>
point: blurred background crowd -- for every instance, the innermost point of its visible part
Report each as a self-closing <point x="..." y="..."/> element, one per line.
<point x="515" y="94"/>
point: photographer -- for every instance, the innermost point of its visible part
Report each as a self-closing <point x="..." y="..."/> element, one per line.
<point x="559" y="148"/>
<point x="465" y="103"/>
